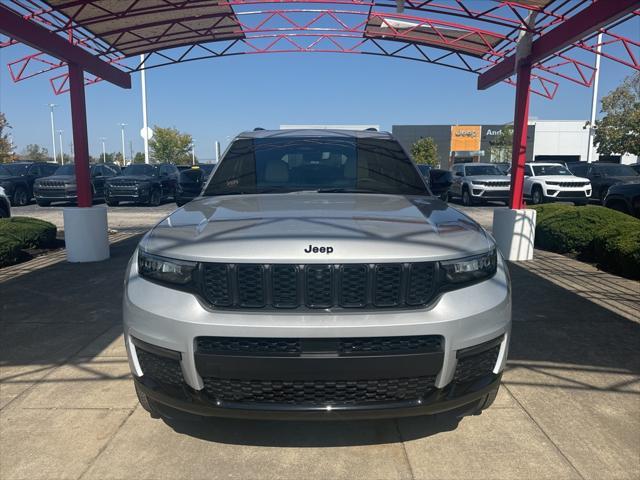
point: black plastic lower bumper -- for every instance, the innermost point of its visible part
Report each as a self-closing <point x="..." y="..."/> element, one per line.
<point x="441" y="400"/>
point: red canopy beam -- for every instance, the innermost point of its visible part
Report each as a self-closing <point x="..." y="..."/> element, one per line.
<point x="592" y="18"/>
<point x="38" y="37"/>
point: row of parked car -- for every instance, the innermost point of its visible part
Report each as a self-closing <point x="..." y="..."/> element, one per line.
<point x="613" y="185"/>
<point x="47" y="183"/>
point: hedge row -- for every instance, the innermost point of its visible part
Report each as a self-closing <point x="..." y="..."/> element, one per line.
<point x="22" y="233"/>
<point x="595" y="234"/>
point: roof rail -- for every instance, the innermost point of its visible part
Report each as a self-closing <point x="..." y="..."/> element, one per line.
<point x="371" y="129"/>
<point x="258" y="129"/>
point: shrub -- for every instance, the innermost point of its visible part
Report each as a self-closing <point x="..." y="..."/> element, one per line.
<point x="10" y="251"/>
<point x="30" y="232"/>
<point x="21" y="233"/>
<point x="598" y="234"/>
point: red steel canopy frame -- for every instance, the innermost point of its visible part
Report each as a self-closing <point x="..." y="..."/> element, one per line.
<point x="104" y="38"/>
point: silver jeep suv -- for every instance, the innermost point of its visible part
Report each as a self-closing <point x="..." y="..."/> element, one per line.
<point x="316" y="277"/>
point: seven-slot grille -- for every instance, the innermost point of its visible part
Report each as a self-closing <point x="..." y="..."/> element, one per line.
<point x="51" y="184"/>
<point x="123" y="183"/>
<point x="499" y="183"/>
<point x="318" y="286"/>
<point x="568" y="184"/>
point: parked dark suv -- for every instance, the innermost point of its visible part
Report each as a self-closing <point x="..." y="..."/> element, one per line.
<point x="624" y="197"/>
<point x="62" y="186"/>
<point x="191" y="182"/>
<point x="439" y="180"/>
<point x="18" y="178"/>
<point x="603" y="175"/>
<point x="142" y="183"/>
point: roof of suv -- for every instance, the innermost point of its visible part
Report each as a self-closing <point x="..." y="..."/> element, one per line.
<point x="315" y="133"/>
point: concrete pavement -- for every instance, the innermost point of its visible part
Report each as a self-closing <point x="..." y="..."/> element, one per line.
<point x="569" y="406"/>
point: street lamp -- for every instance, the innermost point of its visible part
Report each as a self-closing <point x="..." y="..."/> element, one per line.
<point x="124" y="158"/>
<point x="53" y="131"/>
<point x="193" y="152"/>
<point x="104" y="151"/>
<point x="61" y="149"/>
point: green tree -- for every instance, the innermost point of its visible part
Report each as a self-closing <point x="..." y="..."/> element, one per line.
<point x="618" y="132"/>
<point x="425" y="152"/>
<point x="6" y="147"/>
<point x="501" y="147"/>
<point x="138" y="158"/>
<point x="170" y="145"/>
<point x="35" y="153"/>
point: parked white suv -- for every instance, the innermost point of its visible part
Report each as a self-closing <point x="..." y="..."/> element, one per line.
<point x="479" y="182"/>
<point x="544" y="182"/>
<point x="316" y="276"/>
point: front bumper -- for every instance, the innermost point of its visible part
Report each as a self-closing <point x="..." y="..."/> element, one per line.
<point x="163" y="327"/>
<point x="567" y="195"/>
<point x="128" y="195"/>
<point x="51" y="195"/>
<point x="489" y="193"/>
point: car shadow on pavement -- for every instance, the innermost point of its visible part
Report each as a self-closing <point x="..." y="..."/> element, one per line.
<point x="322" y="433"/>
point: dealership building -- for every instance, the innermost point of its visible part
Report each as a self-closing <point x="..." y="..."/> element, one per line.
<point x="547" y="140"/>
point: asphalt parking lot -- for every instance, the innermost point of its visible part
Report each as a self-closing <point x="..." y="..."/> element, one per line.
<point x="569" y="406"/>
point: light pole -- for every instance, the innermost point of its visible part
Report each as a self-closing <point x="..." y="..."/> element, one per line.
<point x="594" y="99"/>
<point x="61" y="149"/>
<point x="53" y="131"/>
<point x="104" y="151"/>
<point x="124" y="158"/>
<point x="193" y="152"/>
<point x="145" y="137"/>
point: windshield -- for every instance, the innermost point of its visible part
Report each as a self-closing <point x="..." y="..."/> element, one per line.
<point x="325" y="164"/>
<point x="16" y="169"/>
<point x="148" y="170"/>
<point x="471" y="170"/>
<point x="424" y="169"/>
<point x="539" y="170"/>
<point x="616" y="170"/>
<point x="67" y="169"/>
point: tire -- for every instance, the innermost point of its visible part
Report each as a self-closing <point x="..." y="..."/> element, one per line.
<point x="467" y="201"/>
<point x="155" y="198"/>
<point x="43" y="203"/>
<point x="20" y="197"/>
<point x="147" y="403"/>
<point x="113" y="203"/>
<point x="537" y="197"/>
<point x="4" y="213"/>
<point x="581" y="204"/>
<point x="618" y="205"/>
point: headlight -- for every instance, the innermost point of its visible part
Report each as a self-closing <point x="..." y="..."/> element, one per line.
<point x="470" y="269"/>
<point x="178" y="272"/>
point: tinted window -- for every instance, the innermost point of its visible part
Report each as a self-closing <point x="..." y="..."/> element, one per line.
<point x="312" y="163"/>
<point x="482" y="170"/>
<point x="17" y="168"/>
<point x="424" y="169"/>
<point x="68" y="169"/>
<point x="551" y="170"/>
<point x="49" y="169"/>
<point x="109" y="171"/>
<point x="615" y="170"/>
<point x="578" y="169"/>
<point x="140" y="169"/>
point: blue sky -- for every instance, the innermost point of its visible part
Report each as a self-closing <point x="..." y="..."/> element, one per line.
<point x="215" y="99"/>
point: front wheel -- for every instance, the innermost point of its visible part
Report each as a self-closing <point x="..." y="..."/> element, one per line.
<point x="113" y="203"/>
<point x="155" y="197"/>
<point x="20" y="197"/>
<point x="466" y="198"/>
<point x="43" y="203"/>
<point x="536" y="196"/>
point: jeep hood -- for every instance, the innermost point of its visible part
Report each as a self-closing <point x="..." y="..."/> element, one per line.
<point x="560" y="178"/>
<point x="493" y="178"/>
<point x="360" y="228"/>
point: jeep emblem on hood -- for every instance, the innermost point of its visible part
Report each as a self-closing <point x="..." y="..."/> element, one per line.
<point x="312" y="249"/>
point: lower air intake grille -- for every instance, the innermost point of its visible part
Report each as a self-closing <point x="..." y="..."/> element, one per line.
<point x="475" y="366"/>
<point x="160" y="369"/>
<point x="318" y="393"/>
